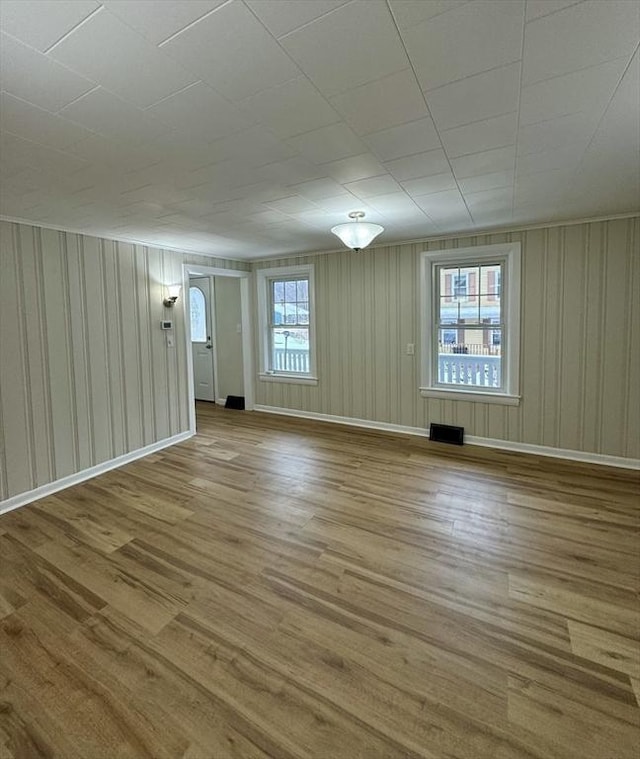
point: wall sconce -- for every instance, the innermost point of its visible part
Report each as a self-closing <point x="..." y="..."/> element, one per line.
<point x="173" y="294"/>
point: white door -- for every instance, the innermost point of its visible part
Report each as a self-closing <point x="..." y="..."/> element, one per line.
<point x="201" y="332"/>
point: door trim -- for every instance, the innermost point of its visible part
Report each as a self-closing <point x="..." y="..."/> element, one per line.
<point x="194" y="270"/>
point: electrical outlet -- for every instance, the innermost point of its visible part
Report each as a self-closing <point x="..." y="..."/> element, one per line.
<point x="410" y="349"/>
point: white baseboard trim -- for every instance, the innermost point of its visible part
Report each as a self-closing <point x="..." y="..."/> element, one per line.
<point x="600" y="459"/>
<point x="86" y="474"/>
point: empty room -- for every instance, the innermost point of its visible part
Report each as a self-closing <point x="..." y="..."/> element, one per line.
<point x="319" y="379"/>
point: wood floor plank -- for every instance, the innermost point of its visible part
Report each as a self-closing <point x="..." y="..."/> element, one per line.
<point x="279" y="588"/>
<point x="605" y="647"/>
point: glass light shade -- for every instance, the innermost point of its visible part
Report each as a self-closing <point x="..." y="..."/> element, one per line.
<point x="357" y="234"/>
<point x="173" y="291"/>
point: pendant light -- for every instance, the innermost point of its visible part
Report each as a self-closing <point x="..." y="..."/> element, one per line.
<point x="357" y="234"/>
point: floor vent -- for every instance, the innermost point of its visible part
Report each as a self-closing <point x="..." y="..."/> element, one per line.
<point x="446" y="433"/>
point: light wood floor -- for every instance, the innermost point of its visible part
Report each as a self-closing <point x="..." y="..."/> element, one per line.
<point x="280" y="588"/>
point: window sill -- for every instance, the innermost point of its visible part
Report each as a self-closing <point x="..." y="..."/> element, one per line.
<point x="475" y="396"/>
<point x="292" y="379"/>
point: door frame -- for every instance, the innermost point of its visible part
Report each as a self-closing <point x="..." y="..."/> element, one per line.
<point x="195" y="270"/>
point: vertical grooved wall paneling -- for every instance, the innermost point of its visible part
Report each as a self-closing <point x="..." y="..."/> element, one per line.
<point x="85" y="372"/>
<point x="580" y="340"/>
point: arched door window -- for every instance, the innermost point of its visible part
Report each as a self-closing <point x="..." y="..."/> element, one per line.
<point x="198" y="315"/>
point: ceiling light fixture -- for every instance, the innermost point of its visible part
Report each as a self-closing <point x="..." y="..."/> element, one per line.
<point x="357" y="234"/>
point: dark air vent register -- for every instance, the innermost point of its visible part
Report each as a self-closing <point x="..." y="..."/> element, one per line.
<point x="446" y="433"/>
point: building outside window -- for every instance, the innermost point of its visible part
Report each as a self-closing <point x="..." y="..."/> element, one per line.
<point x="471" y="327"/>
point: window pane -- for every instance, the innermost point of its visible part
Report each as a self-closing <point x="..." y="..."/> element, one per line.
<point x="449" y="311"/>
<point x="473" y="358"/>
<point x="290" y="350"/>
<point x="290" y="291"/>
<point x="302" y="288"/>
<point x="278" y="292"/>
<point x="198" y="315"/>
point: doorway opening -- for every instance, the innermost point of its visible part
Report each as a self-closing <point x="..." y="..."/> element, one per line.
<point x="218" y="334"/>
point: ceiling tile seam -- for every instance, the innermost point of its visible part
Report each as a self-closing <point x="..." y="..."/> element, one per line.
<point x="306" y="23"/>
<point x="606" y="108"/>
<point x="573" y="71"/>
<point x="435" y="126"/>
<point x="470" y="76"/>
<point x="480" y="121"/>
<point x="515" y="157"/>
<point x="192" y="23"/>
<point x="49" y="147"/>
<point x="435" y="15"/>
<point x="553" y="13"/>
<point x="173" y="94"/>
<point x="75" y="100"/>
<point x="93" y="13"/>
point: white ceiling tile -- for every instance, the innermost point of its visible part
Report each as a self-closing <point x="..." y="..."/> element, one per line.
<point x="291" y="108"/>
<point x="408" y="13"/>
<point x="353" y="45"/>
<point x="420" y="165"/>
<point x="476" y="98"/>
<point x="291" y="171"/>
<point x="537" y="8"/>
<point x="32" y="76"/>
<point x="200" y="112"/>
<point x="329" y="143"/>
<point x="483" y="182"/>
<point x="158" y="21"/>
<point x="492" y="199"/>
<point x="434" y="183"/>
<point x="565" y="131"/>
<point x="587" y="89"/>
<point x="41" y="23"/>
<point x="396" y="205"/>
<point x="16" y="152"/>
<point x="231" y="50"/>
<point x="318" y="189"/>
<point x="292" y="205"/>
<point x="474" y="37"/>
<point x="385" y="103"/>
<point x="581" y="35"/>
<point x="341" y="204"/>
<point x="107" y="114"/>
<point x="139" y="72"/>
<point x="253" y="147"/>
<point x="480" y="136"/>
<point x="407" y="139"/>
<point x="282" y="16"/>
<point x="369" y="188"/>
<point x="102" y="151"/>
<point x="351" y="169"/>
<point x="33" y="123"/>
<point x="555" y="158"/>
<point x="542" y="187"/>
<point x="484" y="162"/>
<point x="445" y="208"/>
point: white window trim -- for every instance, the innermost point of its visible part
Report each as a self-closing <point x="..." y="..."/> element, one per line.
<point x="263" y="276"/>
<point x="510" y="255"/>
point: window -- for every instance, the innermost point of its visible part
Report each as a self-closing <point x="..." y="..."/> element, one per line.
<point x="285" y="297"/>
<point x="471" y="323"/>
<point x="198" y="315"/>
